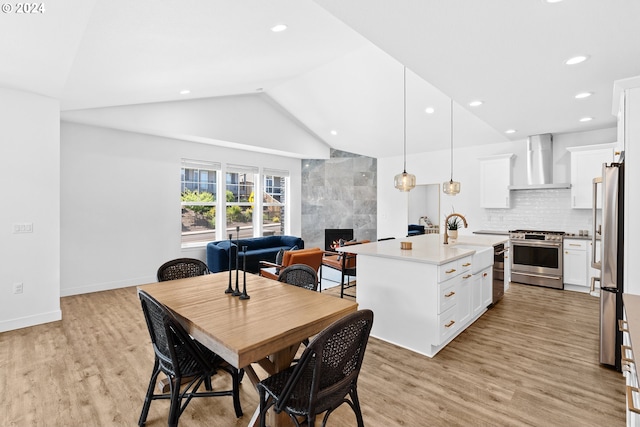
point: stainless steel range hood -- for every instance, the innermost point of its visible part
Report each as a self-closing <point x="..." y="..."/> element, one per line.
<point x="540" y="164"/>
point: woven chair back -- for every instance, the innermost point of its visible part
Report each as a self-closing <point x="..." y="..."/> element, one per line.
<point x="300" y="275"/>
<point x="329" y="367"/>
<point x="181" y="268"/>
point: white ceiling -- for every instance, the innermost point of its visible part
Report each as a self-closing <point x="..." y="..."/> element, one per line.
<point x="101" y="53"/>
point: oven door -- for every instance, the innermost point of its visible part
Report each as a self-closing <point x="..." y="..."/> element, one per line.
<point x="536" y="257"/>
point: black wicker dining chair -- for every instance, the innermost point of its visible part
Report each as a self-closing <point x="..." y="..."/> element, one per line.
<point x="181" y="268"/>
<point x="325" y="376"/>
<point x="185" y="361"/>
<point x="300" y="275"/>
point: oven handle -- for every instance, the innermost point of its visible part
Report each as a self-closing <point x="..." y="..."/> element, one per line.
<point x="537" y="243"/>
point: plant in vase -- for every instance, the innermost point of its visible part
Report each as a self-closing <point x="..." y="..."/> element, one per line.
<point x="453" y="224"/>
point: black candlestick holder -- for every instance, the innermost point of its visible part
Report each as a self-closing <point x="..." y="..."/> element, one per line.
<point x="244" y="274"/>
<point x="237" y="292"/>
<point x="229" y="288"/>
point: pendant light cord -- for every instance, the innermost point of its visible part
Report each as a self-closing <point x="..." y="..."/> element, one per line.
<point x="404" y="124"/>
<point x="451" y="139"/>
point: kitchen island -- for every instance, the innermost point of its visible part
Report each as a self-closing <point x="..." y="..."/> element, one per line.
<point x="424" y="297"/>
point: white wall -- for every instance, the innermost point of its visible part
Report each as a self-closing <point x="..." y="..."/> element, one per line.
<point x="433" y="167"/>
<point x="30" y="188"/>
<point x="121" y="208"/>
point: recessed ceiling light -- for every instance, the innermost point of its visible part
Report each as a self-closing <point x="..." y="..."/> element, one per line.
<point x="551" y="1"/>
<point x="334" y="132"/>
<point x="475" y="103"/>
<point x="576" y="59"/>
<point x="185" y="92"/>
<point x="278" y="28"/>
<point x="586" y="119"/>
<point x="430" y="110"/>
<point x="583" y="95"/>
<point x="510" y="131"/>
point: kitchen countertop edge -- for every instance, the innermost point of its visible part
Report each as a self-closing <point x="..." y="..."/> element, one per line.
<point x="426" y="248"/>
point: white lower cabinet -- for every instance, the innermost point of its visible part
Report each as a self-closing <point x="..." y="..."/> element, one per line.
<point x="476" y="293"/>
<point x="465" y="296"/>
<point x="487" y="287"/>
<point x="575" y="264"/>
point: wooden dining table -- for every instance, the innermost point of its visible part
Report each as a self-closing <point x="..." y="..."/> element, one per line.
<point x="265" y="329"/>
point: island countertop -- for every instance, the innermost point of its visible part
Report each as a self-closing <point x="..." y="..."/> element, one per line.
<point x="426" y="248"/>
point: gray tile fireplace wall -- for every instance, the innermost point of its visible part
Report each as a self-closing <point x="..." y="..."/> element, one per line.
<point x="339" y="192"/>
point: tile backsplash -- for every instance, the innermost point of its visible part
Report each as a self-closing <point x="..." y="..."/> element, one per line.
<point x="539" y="210"/>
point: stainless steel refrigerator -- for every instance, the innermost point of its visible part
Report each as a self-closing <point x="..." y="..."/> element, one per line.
<point x="611" y="233"/>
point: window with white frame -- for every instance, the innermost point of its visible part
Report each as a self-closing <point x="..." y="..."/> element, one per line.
<point x="198" y="197"/>
<point x="240" y="187"/>
<point x="274" y="199"/>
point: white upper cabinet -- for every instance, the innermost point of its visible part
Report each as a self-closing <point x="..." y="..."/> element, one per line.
<point x="495" y="179"/>
<point x="586" y="164"/>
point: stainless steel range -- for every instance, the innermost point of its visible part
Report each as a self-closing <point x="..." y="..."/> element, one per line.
<point x="536" y="257"/>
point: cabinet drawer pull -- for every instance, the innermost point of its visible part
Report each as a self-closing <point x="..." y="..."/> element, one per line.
<point x="485" y="275"/>
<point x="630" y="391"/>
<point x="450" y="294"/>
<point x="450" y="271"/>
<point x="575" y="244"/>
<point x="622" y="325"/>
<point x="627" y="359"/>
<point x="466" y="276"/>
<point x="450" y="324"/>
<point x="466" y="264"/>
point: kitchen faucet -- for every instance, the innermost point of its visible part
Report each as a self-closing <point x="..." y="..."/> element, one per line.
<point x="446" y="235"/>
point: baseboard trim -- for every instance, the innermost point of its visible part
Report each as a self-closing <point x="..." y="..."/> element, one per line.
<point x="27" y="321"/>
<point x="107" y="286"/>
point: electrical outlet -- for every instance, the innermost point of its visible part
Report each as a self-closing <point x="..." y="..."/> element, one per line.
<point x="18" y="288"/>
<point x="23" y="227"/>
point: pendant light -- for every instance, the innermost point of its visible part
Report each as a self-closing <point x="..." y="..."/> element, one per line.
<point x="405" y="181"/>
<point x="451" y="187"/>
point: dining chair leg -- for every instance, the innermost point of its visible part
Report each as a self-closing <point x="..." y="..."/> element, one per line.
<point x="174" y="409"/>
<point x="356" y="406"/>
<point x="236" y="392"/>
<point x="149" y="396"/>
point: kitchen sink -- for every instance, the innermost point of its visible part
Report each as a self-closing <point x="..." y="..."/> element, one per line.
<point x="481" y="259"/>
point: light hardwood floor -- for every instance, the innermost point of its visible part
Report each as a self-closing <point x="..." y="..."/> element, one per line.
<point x="529" y="361"/>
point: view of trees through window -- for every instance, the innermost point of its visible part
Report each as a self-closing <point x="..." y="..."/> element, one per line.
<point x="198" y="196"/>
<point x="199" y="202"/>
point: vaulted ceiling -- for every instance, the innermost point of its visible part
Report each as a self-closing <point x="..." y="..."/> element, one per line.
<point x="337" y="71"/>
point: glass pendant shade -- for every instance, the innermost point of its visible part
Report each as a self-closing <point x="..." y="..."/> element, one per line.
<point x="405" y="181"/>
<point x="451" y="187"/>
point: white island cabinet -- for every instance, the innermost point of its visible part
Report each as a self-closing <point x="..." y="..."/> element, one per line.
<point x="422" y="298"/>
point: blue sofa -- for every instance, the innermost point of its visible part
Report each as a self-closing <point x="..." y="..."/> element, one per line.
<point x="258" y="249"/>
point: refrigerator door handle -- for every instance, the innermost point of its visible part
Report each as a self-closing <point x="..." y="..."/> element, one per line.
<point x="594" y="264"/>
